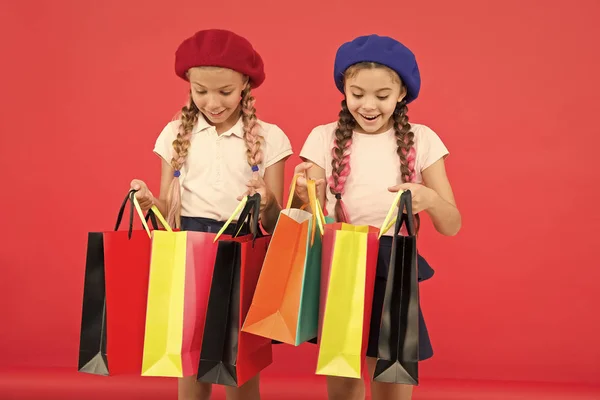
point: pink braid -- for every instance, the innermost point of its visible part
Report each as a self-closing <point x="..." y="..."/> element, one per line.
<point x="406" y="150"/>
<point x="340" y="162"/>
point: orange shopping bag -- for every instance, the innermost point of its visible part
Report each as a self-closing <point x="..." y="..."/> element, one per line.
<point x="285" y="306"/>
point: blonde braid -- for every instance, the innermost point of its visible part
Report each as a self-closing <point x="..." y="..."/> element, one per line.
<point x="252" y="136"/>
<point x="181" y="145"/>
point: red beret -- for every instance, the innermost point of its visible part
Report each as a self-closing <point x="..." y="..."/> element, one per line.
<point x="219" y="48"/>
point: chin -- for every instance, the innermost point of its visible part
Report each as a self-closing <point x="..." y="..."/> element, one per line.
<point x="373" y="129"/>
<point x="378" y="125"/>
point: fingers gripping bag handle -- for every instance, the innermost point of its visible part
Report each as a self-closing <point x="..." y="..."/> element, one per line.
<point x="249" y="206"/>
<point x="405" y="199"/>
<point x="152" y="214"/>
<point x="292" y="191"/>
<point x="318" y="217"/>
<point x="250" y="215"/>
<point x="408" y="218"/>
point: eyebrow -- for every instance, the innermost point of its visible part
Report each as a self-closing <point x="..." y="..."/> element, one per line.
<point x="221" y="88"/>
<point x="378" y="90"/>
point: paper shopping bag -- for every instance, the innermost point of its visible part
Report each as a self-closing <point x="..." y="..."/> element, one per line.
<point x="285" y="306"/>
<point x="398" y="346"/>
<point x="230" y="356"/>
<point x="92" y="337"/>
<point x="349" y="261"/>
<point x="181" y="268"/>
<point x="114" y="300"/>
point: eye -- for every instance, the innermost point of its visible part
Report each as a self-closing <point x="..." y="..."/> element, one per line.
<point x="226" y="93"/>
<point x="200" y="91"/>
<point x="357" y="96"/>
<point x="382" y="97"/>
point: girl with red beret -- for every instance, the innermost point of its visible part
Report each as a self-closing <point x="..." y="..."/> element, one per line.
<point x="359" y="162"/>
<point x="216" y="152"/>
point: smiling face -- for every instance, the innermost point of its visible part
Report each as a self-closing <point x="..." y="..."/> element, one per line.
<point x="372" y="93"/>
<point x="217" y="93"/>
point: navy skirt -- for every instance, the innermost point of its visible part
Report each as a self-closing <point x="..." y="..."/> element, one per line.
<point x="198" y="224"/>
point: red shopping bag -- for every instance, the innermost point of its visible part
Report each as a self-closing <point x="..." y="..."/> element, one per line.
<point x="114" y="301"/>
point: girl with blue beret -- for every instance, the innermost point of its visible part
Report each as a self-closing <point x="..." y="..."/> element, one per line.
<point x="361" y="160"/>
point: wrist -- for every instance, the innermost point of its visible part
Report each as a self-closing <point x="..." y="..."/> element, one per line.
<point x="434" y="200"/>
<point x="270" y="201"/>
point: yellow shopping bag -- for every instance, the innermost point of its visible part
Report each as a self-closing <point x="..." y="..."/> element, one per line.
<point x="181" y="269"/>
<point x="348" y="265"/>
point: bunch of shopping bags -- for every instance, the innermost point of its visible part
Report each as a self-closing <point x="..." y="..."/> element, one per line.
<point x="173" y="304"/>
<point x="168" y="303"/>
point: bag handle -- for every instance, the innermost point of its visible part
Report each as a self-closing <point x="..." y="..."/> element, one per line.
<point x="317" y="218"/>
<point x="152" y="214"/>
<point x="313" y="201"/>
<point x="312" y="198"/>
<point x="252" y="209"/>
<point x="292" y="191"/>
<point x="388" y="222"/>
<point x="244" y="209"/>
<point x="408" y="218"/>
<point x="130" y="198"/>
<point x="405" y="199"/>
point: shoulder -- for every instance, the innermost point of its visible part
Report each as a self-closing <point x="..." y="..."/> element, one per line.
<point x="163" y="146"/>
<point x="424" y="134"/>
<point x="170" y="130"/>
<point x="421" y="130"/>
<point x="277" y="145"/>
<point x="271" y="131"/>
<point x="324" y="132"/>
<point x="429" y="145"/>
<point x="317" y="145"/>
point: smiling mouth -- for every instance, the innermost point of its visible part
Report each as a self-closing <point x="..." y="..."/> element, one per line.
<point x="212" y="114"/>
<point x="370" y="117"/>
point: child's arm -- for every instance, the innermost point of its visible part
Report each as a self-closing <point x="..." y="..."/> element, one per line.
<point x="436" y="198"/>
<point x="442" y="209"/>
<point x="166" y="177"/>
<point x="273" y="181"/>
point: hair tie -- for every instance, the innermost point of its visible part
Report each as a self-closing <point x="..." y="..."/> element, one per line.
<point x="177" y="173"/>
<point x="255" y="168"/>
<point x="338" y="196"/>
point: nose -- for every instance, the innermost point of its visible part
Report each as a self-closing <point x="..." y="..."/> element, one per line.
<point x="212" y="102"/>
<point x="369" y="103"/>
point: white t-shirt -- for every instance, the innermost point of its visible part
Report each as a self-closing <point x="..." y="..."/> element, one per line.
<point x="374" y="166"/>
<point x="216" y="170"/>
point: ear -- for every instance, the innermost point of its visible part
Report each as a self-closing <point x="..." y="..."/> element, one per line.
<point x="403" y="93"/>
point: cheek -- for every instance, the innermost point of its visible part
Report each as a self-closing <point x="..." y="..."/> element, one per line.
<point x="200" y="101"/>
<point x="353" y="104"/>
<point x="388" y="107"/>
<point x="231" y="101"/>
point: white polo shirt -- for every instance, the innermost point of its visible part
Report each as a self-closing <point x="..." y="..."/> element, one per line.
<point x="374" y="166"/>
<point x="216" y="170"/>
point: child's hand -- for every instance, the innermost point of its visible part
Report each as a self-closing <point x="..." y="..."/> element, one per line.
<point x="258" y="185"/>
<point x="422" y="196"/>
<point x="143" y="195"/>
<point x="301" y="191"/>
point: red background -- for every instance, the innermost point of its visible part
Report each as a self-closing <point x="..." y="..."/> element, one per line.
<point x="510" y="86"/>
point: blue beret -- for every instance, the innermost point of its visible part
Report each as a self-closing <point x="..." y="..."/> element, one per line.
<point x="383" y="50"/>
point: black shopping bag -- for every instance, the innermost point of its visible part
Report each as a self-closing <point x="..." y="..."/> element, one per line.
<point x="229" y="356"/>
<point x="398" y="347"/>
